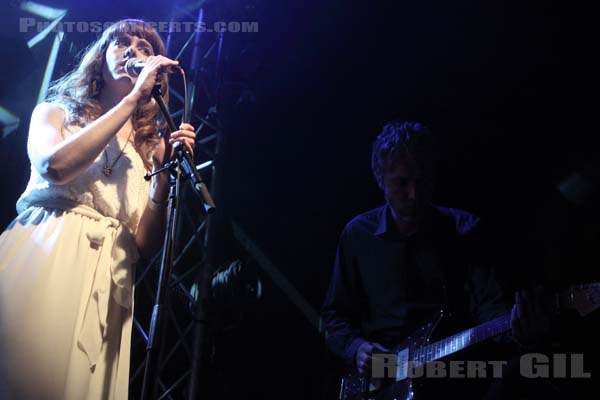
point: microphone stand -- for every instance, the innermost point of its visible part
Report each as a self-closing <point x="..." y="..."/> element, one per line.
<point x="181" y="167"/>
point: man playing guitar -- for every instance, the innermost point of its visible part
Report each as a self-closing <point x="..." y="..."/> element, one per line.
<point x="399" y="264"/>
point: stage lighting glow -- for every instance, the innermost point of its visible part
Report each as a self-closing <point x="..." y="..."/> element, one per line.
<point x="42" y="10"/>
<point x="8" y="122"/>
<point x="50" y="66"/>
<point x="42" y="35"/>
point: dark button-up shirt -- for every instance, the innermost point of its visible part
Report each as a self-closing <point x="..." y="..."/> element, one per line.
<point x="385" y="285"/>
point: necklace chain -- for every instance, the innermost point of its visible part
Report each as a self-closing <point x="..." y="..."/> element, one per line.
<point x="108" y="170"/>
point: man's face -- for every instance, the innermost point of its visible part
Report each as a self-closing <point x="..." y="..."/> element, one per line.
<point x="407" y="188"/>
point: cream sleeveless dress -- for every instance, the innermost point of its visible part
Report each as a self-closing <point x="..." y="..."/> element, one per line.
<point x="66" y="283"/>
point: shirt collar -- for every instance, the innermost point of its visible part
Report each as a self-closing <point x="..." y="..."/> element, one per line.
<point x="384" y="220"/>
<point x="386" y="224"/>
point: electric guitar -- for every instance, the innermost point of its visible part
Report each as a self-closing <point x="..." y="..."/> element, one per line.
<point x="416" y="351"/>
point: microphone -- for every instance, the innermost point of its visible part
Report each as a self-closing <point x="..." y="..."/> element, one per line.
<point x="133" y="67"/>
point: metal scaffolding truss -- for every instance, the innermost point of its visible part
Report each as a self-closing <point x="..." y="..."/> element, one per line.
<point x="183" y="336"/>
<point x="186" y="346"/>
<point x="198" y="271"/>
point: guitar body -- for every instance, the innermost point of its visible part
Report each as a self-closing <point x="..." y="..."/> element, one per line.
<point x="357" y="387"/>
<point x="420" y="349"/>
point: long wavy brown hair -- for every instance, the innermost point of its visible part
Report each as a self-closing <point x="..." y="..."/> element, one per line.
<point x="80" y="89"/>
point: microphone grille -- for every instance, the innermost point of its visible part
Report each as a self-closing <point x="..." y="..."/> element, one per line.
<point x="130" y="67"/>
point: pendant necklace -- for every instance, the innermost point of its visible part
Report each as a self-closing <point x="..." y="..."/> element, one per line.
<point x="108" y="170"/>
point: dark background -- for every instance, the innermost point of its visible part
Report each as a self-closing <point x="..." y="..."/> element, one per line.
<point x="501" y="84"/>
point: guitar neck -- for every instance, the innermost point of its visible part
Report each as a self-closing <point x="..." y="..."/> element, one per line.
<point x="461" y="340"/>
<point x="585" y="298"/>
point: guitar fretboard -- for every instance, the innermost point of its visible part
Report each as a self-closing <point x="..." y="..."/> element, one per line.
<point x="461" y="340"/>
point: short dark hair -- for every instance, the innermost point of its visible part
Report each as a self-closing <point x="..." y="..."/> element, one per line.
<point x="399" y="139"/>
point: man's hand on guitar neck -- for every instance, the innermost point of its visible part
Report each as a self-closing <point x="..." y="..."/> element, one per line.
<point x="530" y="320"/>
<point x="364" y="356"/>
